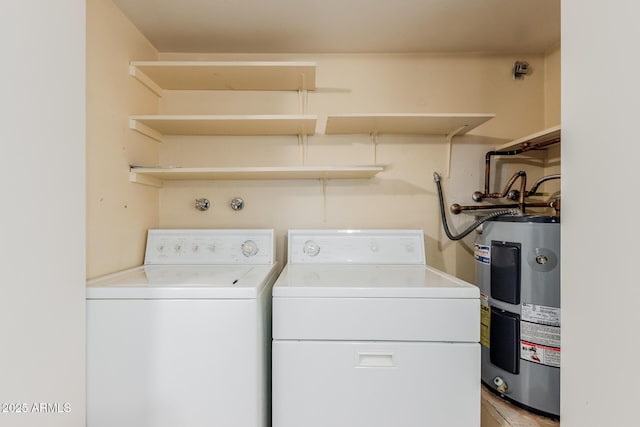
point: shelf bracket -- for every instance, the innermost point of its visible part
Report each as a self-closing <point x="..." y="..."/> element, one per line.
<point x="302" y="144"/>
<point x="145" y="130"/>
<point x="449" y="137"/>
<point x="324" y="199"/>
<point x="145" y="80"/>
<point x="303" y="101"/>
<point x="145" y="180"/>
<point x="374" y="142"/>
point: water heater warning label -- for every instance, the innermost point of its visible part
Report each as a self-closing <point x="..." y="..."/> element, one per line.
<point x="482" y="253"/>
<point x="540" y="334"/>
<point x="541" y="354"/>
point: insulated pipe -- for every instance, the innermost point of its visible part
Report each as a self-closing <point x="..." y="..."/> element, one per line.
<point x="537" y="184"/>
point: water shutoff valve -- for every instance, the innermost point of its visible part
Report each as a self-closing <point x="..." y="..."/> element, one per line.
<point x="202" y="204"/>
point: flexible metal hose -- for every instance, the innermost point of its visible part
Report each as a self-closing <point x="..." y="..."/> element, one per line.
<point x="494" y="214"/>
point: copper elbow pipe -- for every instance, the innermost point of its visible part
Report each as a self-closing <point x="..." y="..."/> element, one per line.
<point x="487" y="167"/>
<point x="521" y="174"/>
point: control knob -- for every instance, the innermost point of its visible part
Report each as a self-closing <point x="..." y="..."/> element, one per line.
<point x="249" y="248"/>
<point x="311" y="248"/>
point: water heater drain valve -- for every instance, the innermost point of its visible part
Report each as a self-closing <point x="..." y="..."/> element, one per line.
<point x="500" y="384"/>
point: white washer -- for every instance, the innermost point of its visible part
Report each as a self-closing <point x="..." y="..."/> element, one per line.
<point x="185" y="339"/>
<point x="365" y="334"/>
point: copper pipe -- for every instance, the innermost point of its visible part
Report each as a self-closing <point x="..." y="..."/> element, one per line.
<point x="478" y="196"/>
<point x="523" y="192"/>
<point x="487" y="170"/>
<point x="507" y="187"/>
<point x="551" y="203"/>
<point x="513" y="195"/>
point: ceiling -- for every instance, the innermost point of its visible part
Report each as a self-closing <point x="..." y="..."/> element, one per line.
<point x="347" y="26"/>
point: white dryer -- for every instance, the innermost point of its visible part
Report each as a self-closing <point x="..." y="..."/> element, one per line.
<point x="366" y="334"/>
<point x="184" y="340"/>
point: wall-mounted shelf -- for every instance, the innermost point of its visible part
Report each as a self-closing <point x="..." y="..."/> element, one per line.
<point x="447" y="125"/>
<point x="416" y="124"/>
<point x="216" y="75"/>
<point x="155" y="176"/>
<point x="542" y="138"/>
<point x="155" y="126"/>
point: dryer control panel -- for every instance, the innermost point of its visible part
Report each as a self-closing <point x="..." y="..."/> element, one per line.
<point x="396" y="247"/>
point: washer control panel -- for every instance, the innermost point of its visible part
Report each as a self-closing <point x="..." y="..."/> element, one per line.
<point x="209" y="246"/>
<point x="356" y="247"/>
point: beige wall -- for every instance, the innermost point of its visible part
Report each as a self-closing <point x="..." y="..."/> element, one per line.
<point x="118" y="212"/>
<point x="405" y="194"/>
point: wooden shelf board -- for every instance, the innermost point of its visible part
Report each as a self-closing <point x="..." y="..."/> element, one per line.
<point x="216" y="75"/>
<point x="533" y="139"/>
<point x="416" y="124"/>
<point x="223" y="125"/>
<point x="255" y="173"/>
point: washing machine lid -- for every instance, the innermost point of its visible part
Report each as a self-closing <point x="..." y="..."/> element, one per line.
<point x="370" y="281"/>
<point x="183" y="282"/>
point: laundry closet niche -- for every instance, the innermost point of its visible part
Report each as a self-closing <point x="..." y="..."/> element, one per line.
<point x="401" y="196"/>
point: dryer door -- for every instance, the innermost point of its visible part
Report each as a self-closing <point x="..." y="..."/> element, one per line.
<point x="375" y="384"/>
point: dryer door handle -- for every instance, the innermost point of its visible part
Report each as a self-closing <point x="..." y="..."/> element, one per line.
<point x="375" y="359"/>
